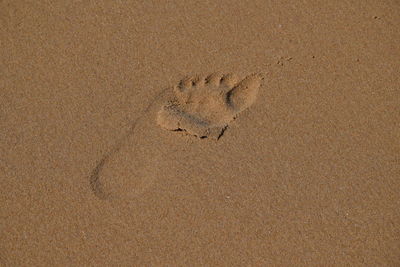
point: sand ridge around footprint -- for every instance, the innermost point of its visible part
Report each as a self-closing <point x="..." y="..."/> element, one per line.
<point x="203" y="106"/>
<point x="149" y="152"/>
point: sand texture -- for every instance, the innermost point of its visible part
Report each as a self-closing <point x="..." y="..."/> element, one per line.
<point x="200" y="133"/>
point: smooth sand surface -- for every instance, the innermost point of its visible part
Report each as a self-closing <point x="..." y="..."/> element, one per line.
<point x="307" y="174"/>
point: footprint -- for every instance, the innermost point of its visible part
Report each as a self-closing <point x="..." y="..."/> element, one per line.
<point x="203" y="106"/>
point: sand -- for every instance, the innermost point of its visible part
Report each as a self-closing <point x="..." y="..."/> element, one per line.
<point x="301" y="169"/>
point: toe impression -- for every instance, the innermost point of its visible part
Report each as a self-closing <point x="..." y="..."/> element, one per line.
<point x="244" y="94"/>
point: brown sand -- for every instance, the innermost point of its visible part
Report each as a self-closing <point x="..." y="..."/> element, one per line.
<point x="308" y="175"/>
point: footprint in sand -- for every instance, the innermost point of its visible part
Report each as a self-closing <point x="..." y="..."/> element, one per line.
<point x="201" y="106"/>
